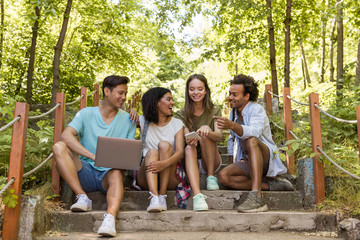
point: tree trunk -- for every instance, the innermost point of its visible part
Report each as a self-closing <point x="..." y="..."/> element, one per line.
<point x="58" y="50"/>
<point x="357" y="79"/>
<point x="32" y="57"/>
<point x="2" y="30"/>
<point x="303" y="73"/>
<point x="323" y="47"/>
<point x="303" y="58"/>
<point x="340" y="50"/>
<point x="287" y="44"/>
<point x="331" y="50"/>
<point x="274" y="82"/>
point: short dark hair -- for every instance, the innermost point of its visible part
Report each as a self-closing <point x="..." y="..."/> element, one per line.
<point x="149" y="103"/>
<point x="250" y="86"/>
<point x="112" y="81"/>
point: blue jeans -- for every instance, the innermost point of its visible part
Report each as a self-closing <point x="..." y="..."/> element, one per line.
<point x="91" y="178"/>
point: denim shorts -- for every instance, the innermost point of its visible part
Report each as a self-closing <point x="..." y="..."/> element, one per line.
<point x="91" y="178"/>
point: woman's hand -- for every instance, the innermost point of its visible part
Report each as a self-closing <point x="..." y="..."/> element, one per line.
<point x="156" y="167"/>
<point x="192" y="142"/>
<point x="203" y="131"/>
<point x="134" y="116"/>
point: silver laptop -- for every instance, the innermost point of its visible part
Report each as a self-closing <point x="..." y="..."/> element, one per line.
<point x="119" y="153"/>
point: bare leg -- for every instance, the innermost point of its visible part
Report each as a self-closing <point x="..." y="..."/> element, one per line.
<point x="113" y="183"/>
<point x="68" y="165"/>
<point x="210" y="155"/>
<point x="168" y="177"/>
<point x="258" y="154"/>
<point x="192" y="168"/>
<point x="145" y="179"/>
<point x="234" y="177"/>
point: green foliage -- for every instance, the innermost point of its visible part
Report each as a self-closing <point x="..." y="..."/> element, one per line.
<point x="10" y="199"/>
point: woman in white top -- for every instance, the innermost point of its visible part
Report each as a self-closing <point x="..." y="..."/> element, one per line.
<point x="163" y="147"/>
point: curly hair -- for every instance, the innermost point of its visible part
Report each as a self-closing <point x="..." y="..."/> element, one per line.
<point x="189" y="103"/>
<point x="112" y="81"/>
<point x="250" y="86"/>
<point x="149" y="103"/>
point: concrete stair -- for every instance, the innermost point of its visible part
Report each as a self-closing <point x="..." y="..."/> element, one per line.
<point x="286" y="214"/>
<point x="190" y="221"/>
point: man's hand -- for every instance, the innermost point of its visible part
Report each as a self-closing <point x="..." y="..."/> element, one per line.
<point x="224" y="123"/>
<point x="134" y="116"/>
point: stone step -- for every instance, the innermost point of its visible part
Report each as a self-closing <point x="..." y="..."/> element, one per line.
<point x="208" y="235"/>
<point x="217" y="200"/>
<point x="190" y="221"/>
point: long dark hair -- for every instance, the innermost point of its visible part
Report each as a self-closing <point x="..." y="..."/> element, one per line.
<point x="189" y="103"/>
<point x="149" y="103"/>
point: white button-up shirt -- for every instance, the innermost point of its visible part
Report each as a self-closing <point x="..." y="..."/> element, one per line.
<point x="256" y="124"/>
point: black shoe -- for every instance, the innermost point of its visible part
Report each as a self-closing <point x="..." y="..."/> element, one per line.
<point x="280" y="184"/>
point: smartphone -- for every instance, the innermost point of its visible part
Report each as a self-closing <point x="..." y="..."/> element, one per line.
<point x="192" y="135"/>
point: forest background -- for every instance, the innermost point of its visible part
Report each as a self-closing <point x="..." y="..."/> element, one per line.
<point x="49" y="46"/>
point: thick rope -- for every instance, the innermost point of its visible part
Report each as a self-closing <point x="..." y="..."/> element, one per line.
<point x="337" y="119"/>
<point x="10" y="124"/>
<point x="44" y="114"/>
<point x="274" y="94"/>
<point x="304" y="104"/>
<point x="71" y="103"/>
<point x="297" y="138"/>
<point x="336" y="165"/>
<point x="7" y="186"/>
<point x="39" y="166"/>
<point x="92" y="93"/>
<point x="277" y="125"/>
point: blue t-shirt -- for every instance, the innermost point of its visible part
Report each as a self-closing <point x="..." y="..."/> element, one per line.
<point x="89" y="124"/>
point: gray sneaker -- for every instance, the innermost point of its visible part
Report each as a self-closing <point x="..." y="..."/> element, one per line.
<point x="280" y="184"/>
<point x="253" y="203"/>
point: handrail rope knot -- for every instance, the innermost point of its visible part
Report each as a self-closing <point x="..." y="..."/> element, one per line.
<point x="46" y="113"/>
<point x="336" y="165"/>
<point x="336" y="118"/>
<point x="7" y="186"/>
<point x="289" y="97"/>
<point x="274" y="94"/>
<point x="78" y="99"/>
<point x="10" y="123"/>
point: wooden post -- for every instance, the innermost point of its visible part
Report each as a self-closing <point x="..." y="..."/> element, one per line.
<point x="83" y="100"/>
<point x="290" y="160"/>
<point x="315" y="122"/>
<point x="97" y="94"/>
<point x="268" y="99"/>
<point x="58" y="128"/>
<point x="358" y="126"/>
<point x="16" y="170"/>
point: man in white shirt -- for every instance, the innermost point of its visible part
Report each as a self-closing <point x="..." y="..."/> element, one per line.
<point x="250" y="146"/>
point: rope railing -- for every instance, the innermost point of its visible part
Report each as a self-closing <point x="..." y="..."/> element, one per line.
<point x="46" y="113"/>
<point x="78" y="99"/>
<point x="336" y="118"/>
<point x="12" y="180"/>
<point x="281" y="128"/>
<point x="297" y="138"/>
<point x="304" y="104"/>
<point x="10" y="124"/>
<point x="337" y="165"/>
<point x="273" y="94"/>
<point x="92" y="93"/>
<point x="39" y="166"/>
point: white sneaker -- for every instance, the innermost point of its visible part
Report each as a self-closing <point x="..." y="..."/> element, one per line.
<point x="154" y="203"/>
<point x="107" y="227"/>
<point x="83" y="204"/>
<point x="162" y="201"/>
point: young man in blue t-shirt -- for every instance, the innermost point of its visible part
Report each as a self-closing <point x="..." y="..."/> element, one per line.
<point x="75" y="158"/>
